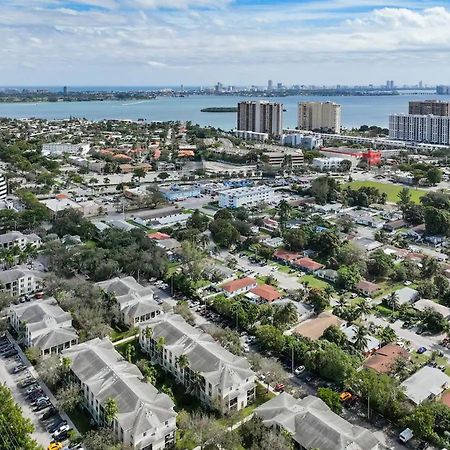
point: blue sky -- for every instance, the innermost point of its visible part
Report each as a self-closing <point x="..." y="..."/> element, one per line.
<point x="151" y="42"/>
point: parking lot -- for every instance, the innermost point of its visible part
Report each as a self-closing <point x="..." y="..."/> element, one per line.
<point x="28" y="392"/>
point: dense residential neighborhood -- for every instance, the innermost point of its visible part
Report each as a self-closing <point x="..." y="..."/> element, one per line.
<point x="168" y="286"/>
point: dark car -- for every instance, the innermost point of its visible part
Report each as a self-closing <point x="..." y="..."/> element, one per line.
<point x="50" y="413"/>
<point x="59" y="423"/>
<point x="27" y="382"/>
<point x="12" y="352"/>
<point x="43" y="405"/>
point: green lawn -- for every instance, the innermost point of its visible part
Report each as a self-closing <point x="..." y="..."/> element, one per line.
<point x="117" y="335"/>
<point x="391" y="189"/>
<point x="81" y="419"/>
<point x="313" y="282"/>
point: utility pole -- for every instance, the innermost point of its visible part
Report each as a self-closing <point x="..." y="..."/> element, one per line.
<point x="292" y="359"/>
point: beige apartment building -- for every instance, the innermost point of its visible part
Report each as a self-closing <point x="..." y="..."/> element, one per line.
<point x="319" y="116"/>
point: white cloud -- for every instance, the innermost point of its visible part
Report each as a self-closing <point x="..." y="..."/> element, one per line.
<point x="223" y="43"/>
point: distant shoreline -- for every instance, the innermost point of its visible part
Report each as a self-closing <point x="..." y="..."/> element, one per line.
<point x="220" y="109"/>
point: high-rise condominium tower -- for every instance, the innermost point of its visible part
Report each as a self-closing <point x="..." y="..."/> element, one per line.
<point x="260" y="117"/>
<point x="319" y="116"/>
<point x="435" y="107"/>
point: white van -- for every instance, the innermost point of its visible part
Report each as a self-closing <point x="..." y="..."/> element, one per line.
<point x="405" y="435"/>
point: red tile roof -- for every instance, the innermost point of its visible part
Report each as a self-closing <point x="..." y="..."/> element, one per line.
<point x="445" y="399"/>
<point x="367" y="286"/>
<point x="308" y="264"/>
<point x="266" y="292"/>
<point x="384" y="358"/>
<point x="158" y="236"/>
<point x="286" y="255"/>
<point x="235" y="285"/>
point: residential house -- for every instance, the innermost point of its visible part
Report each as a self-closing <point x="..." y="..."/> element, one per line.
<point x="372" y="343"/>
<point x="394" y="225"/>
<point x="172" y="247"/>
<point x="263" y="293"/>
<point x="122" y="225"/>
<point x="145" y="419"/>
<point x="315" y="327"/>
<point x="20" y="281"/>
<point x="136" y="302"/>
<point x="406" y="295"/>
<point x="426" y="384"/>
<point x="239" y="286"/>
<point x="307" y="264"/>
<point x="367" y="288"/>
<point x="367" y="244"/>
<point x="219" y="378"/>
<point x="43" y="324"/>
<point x="327" y="274"/>
<point x="423" y="304"/>
<point x="313" y="425"/>
<point x="384" y="359"/>
<point x="158" y="236"/>
<point x="286" y="256"/>
<point x="304" y="311"/>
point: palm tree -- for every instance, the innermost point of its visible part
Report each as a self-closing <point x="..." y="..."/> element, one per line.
<point x="392" y="300"/>
<point x="130" y="352"/>
<point x="148" y="332"/>
<point x="387" y="335"/>
<point x="197" y="382"/>
<point x="361" y="338"/>
<point x="160" y="345"/>
<point x="110" y="410"/>
<point x="151" y="374"/>
<point x="341" y="302"/>
<point x="182" y="362"/>
<point x="328" y="291"/>
<point x="363" y="308"/>
<point x="66" y="363"/>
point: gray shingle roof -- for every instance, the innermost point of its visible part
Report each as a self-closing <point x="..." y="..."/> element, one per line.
<point x="8" y="276"/>
<point x="108" y="375"/>
<point x="217" y="365"/>
<point x="313" y="425"/>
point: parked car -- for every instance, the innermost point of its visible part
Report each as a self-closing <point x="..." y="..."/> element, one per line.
<point x="50" y="413"/>
<point x="61" y="431"/>
<point x="28" y="381"/>
<point x="19" y="368"/>
<point x="42" y="406"/>
<point x="59" y="423"/>
<point x="344" y="396"/>
<point x="299" y="370"/>
<point x="421" y="350"/>
<point x="55" y="446"/>
<point x="32" y="388"/>
<point x="279" y="387"/>
<point x="12" y="352"/>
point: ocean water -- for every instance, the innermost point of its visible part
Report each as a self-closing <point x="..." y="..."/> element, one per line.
<point x="356" y="110"/>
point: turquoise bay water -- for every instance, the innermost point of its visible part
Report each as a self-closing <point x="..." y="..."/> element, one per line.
<point x="356" y="111"/>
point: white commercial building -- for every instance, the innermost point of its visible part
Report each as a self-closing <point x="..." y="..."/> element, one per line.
<point x="246" y="196"/>
<point x="328" y="164"/>
<point x="252" y="135"/>
<point x="417" y="128"/>
<point x="319" y="116"/>
<point x="18" y="239"/>
<point x="145" y="419"/>
<point x="219" y="378"/>
<point x="57" y="149"/>
<point x="260" y="117"/>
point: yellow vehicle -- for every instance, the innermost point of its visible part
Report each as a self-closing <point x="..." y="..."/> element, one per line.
<point x="55" y="446"/>
<point x="344" y="396"/>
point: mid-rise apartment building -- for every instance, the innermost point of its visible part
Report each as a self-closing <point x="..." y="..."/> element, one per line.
<point x="289" y="159"/>
<point x="260" y="117"/>
<point x="434" y="107"/>
<point x="136" y="302"/>
<point x="146" y="419"/>
<point x="219" y="378"/>
<point x="246" y="196"/>
<point x="420" y="128"/>
<point x="323" y="116"/>
<point x="43" y="324"/>
<point x="58" y="149"/>
<point x="18" y="239"/>
<point x="328" y="164"/>
<point x="20" y="281"/>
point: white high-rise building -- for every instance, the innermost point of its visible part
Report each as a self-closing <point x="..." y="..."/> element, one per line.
<point x="260" y="117"/>
<point x="319" y="116"/>
<point x="419" y="128"/>
<point x="3" y="188"/>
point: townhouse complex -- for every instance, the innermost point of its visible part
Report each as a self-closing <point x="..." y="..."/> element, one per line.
<point x="219" y="378"/>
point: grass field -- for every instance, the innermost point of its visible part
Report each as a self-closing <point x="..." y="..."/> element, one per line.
<point x="391" y="189"/>
<point x="313" y="282"/>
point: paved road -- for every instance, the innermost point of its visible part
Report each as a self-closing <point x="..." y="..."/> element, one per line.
<point x="6" y="377"/>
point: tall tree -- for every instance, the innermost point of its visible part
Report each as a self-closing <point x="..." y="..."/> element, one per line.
<point x="110" y="411"/>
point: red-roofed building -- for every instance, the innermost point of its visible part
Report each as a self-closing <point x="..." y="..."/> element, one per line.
<point x="384" y="359"/>
<point x="286" y="256"/>
<point x="265" y="293"/>
<point x="61" y="196"/>
<point x="158" y="236"/>
<point x="240" y="286"/>
<point x="367" y="288"/>
<point x="307" y="264"/>
<point x="185" y="153"/>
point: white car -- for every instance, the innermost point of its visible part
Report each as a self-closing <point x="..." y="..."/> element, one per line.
<point x="61" y="429"/>
<point x="299" y="370"/>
